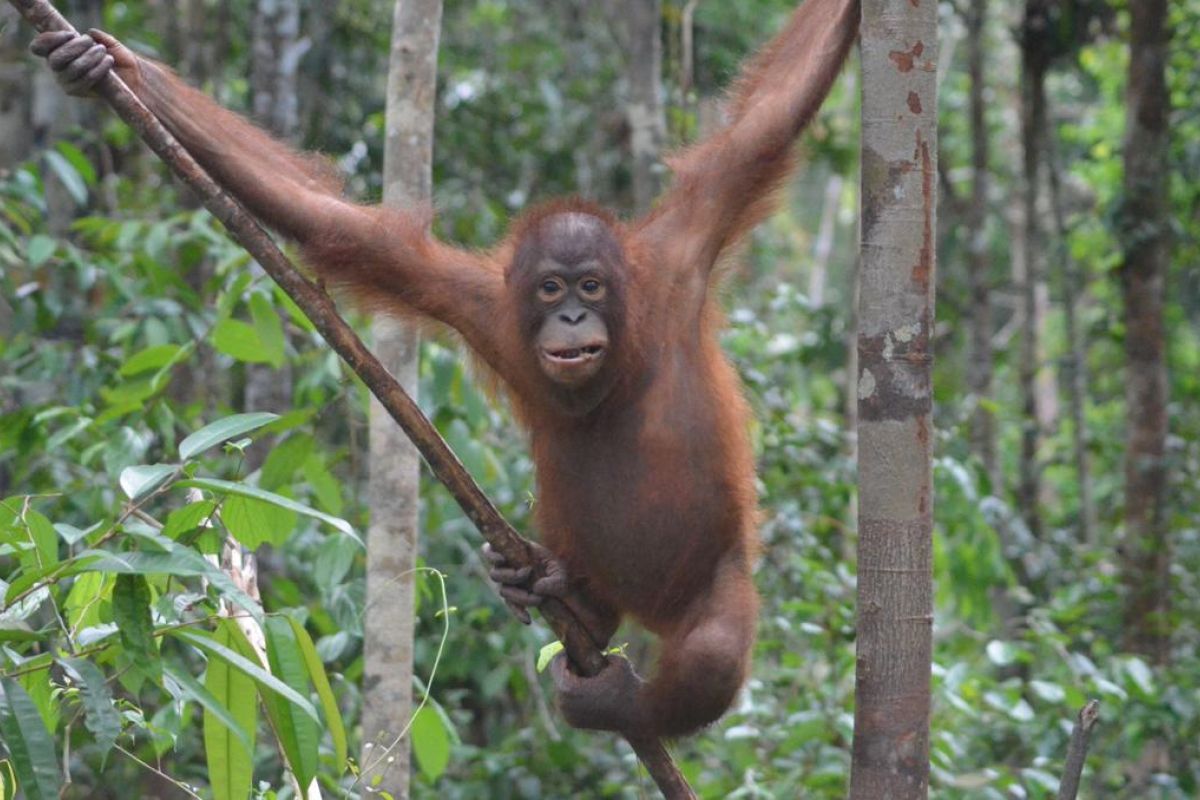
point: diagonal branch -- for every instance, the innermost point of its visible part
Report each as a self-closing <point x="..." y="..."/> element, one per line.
<point x="319" y="308"/>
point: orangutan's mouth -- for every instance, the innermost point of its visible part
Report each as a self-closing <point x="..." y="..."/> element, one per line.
<point x="575" y="355"/>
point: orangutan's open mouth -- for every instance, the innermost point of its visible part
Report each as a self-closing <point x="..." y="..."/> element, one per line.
<point x="575" y="354"/>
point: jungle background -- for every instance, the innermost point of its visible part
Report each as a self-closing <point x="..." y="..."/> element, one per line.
<point x="128" y="323"/>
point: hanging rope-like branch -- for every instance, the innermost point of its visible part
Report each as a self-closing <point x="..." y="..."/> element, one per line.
<point x="320" y="309"/>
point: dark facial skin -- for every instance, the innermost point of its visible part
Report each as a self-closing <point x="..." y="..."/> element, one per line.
<point x="568" y="280"/>
<point x="573" y="340"/>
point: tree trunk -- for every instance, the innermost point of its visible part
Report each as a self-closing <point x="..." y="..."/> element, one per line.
<point x="818" y="276"/>
<point x="895" y="587"/>
<point x="980" y="359"/>
<point x="276" y="49"/>
<point x="53" y="116"/>
<point x="1145" y="230"/>
<point x="639" y="23"/>
<point x="1074" y="287"/>
<point x="275" y="63"/>
<point x="1033" y="104"/>
<point x="395" y="469"/>
<point x="16" y="139"/>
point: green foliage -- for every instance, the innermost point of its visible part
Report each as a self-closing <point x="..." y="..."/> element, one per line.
<point x="34" y="762"/>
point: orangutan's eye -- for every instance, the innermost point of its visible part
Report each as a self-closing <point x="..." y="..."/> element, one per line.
<point x="550" y="289"/>
<point x="591" y="289"/>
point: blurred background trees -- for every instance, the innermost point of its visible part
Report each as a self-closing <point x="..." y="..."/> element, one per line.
<point x="1067" y="542"/>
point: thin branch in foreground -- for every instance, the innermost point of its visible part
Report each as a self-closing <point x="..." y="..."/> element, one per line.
<point x="320" y="309"/>
<point x="1089" y="715"/>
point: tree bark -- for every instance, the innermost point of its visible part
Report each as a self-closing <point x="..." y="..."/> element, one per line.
<point x="394" y="464"/>
<point x="53" y="116"/>
<point x="980" y="359"/>
<point x="1033" y="111"/>
<point x="818" y="276"/>
<point x="275" y="63"/>
<point x="276" y="49"/>
<point x="1145" y="231"/>
<point x="16" y="129"/>
<point x="639" y="29"/>
<point x="1074" y="287"/>
<point x="895" y="436"/>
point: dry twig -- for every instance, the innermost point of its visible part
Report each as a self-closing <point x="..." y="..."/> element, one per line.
<point x="1089" y="715"/>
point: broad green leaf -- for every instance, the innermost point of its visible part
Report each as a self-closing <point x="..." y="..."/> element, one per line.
<point x="152" y="358"/>
<point x="83" y="601"/>
<point x="227" y="487"/>
<point x="222" y="431"/>
<point x="269" y="329"/>
<point x="39" y="250"/>
<point x="265" y="680"/>
<point x="78" y="160"/>
<point x="430" y="742"/>
<point x="229" y="705"/>
<point x="1048" y="782"/>
<point x="1050" y="692"/>
<point x="547" y="654"/>
<point x="316" y="673"/>
<point x="72" y="535"/>
<point x="67" y="433"/>
<point x="1142" y="676"/>
<point x="1001" y="653"/>
<point x="238" y="339"/>
<point x="235" y="263"/>
<point x="326" y="488"/>
<point x="230" y="722"/>
<point x="298" y="317"/>
<point x="101" y="717"/>
<point x="189" y="518"/>
<point x="335" y="556"/>
<point x="179" y="561"/>
<point x="28" y="742"/>
<point x="30" y="578"/>
<point x="130" y="394"/>
<point x="142" y="481"/>
<point x="8" y="780"/>
<point x="131" y="613"/>
<point x="299" y="736"/>
<point x="44" y="538"/>
<point x="283" y="461"/>
<point x="42" y="690"/>
<point x="69" y="176"/>
<point x="254" y="522"/>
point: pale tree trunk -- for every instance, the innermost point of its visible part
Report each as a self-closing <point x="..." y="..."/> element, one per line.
<point x="818" y="276"/>
<point x="276" y="49"/>
<point x="895" y="434"/>
<point x="275" y="63"/>
<point x="1033" y="109"/>
<point x="189" y="44"/>
<point x="395" y="469"/>
<point x="16" y="139"/>
<point x="980" y="359"/>
<point x="1074" y="287"/>
<point x="54" y="115"/>
<point x="686" y="63"/>
<point x="638" y="26"/>
<point x="1145" y="231"/>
